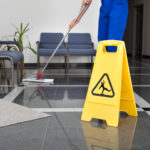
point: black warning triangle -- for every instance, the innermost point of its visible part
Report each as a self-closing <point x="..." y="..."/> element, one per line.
<point x="104" y="87"/>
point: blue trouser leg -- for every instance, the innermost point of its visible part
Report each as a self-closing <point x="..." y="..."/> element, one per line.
<point x="112" y="21"/>
<point x="103" y="28"/>
<point x="104" y="20"/>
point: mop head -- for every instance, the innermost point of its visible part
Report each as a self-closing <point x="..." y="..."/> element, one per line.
<point x="39" y="75"/>
<point x="38" y="80"/>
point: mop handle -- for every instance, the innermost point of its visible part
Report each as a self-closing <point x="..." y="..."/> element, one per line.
<point x="63" y="38"/>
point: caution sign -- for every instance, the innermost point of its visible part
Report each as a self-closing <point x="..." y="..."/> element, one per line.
<point x="104" y="87"/>
<point x="110" y="90"/>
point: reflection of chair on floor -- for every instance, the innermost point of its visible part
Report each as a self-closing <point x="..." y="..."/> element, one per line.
<point x="15" y="57"/>
<point x="51" y="93"/>
<point x="110" y="137"/>
<point x="45" y="93"/>
<point x="76" y="93"/>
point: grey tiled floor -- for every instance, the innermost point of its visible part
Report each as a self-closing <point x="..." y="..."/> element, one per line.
<point x="65" y="130"/>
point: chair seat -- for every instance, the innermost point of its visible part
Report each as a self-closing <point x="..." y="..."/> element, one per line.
<point x="45" y="52"/>
<point x="51" y="46"/>
<point x="82" y="52"/>
<point x="80" y="46"/>
<point x="15" y="55"/>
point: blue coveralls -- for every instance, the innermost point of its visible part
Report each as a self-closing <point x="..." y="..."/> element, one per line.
<point x="112" y="20"/>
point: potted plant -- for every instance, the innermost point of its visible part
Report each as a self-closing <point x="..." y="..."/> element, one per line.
<point x="19" y="37"/>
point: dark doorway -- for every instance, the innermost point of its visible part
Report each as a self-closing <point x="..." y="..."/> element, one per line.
<point x="137" y="30"/>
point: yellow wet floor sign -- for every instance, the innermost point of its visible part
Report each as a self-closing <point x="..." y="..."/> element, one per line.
<point x="110" y="90"/>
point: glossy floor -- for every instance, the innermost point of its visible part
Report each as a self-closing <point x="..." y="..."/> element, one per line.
<point x="64" y="100"/>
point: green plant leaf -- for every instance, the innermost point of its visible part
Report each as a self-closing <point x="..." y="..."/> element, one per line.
<point x="19" y="36"/>
<point x="15" y="28"/>
<point x="26" y="29"/>
<point x="33" y="50"/>
<point x="21" y="26"/>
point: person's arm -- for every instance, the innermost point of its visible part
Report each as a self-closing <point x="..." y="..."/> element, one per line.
<point x="88" y="2"/>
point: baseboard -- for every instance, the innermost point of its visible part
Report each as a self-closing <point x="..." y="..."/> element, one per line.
<point x="146" y="57"/>
<point x="60" y="65"/>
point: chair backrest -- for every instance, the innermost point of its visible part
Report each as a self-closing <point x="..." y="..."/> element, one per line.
<point x="79" y="38"/>
<point x="51" y="40"/>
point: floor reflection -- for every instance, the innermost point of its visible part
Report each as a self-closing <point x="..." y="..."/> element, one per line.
<point x="40" y="96"/>
<point x="101" y="137"/>
<point x="4" y="90"/>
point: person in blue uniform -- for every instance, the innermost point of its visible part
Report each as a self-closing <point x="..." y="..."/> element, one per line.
<point x="112" y="19"/>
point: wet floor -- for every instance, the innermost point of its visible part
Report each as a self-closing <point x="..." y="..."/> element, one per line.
<point x="64" y="100"/>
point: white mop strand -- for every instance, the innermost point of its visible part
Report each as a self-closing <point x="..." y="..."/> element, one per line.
<point x="38" y="81"/>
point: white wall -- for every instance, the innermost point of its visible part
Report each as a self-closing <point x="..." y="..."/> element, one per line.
<point x="47" y="16"/>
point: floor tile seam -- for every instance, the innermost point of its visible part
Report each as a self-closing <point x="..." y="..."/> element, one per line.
<point x="73" y="110"/>
<point x="56" y="85"/>
<point x="140" y="101"/>
<point x="45" y="135"/>
<point x="68" y="74"/>
<point x="67" y="109"/>
<point x="144" y="63"/>
<point x="138" y="74"/>
<point x="140" y="67"/>
<point x="141" y="85"/>
<point x="11" y="96"/>
<point x="73" y="85"/>
<point x="148" y="112"/>
<point x="142" y="74"/>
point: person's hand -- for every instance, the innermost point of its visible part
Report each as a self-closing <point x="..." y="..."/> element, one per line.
<point x="87" y="1"/>
<point x="73" y="23"/>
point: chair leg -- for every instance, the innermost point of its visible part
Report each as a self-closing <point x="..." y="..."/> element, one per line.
<point x="12" y="73"/>
<point x="38" y="63"/>
<point x="68" y="63"/>
<point x="17" y="73"/>
<point x="20" y="74"/>
<point x="91" y="63"/>
<point x="21" y="69"/>
<point x="92" y="60"/>
<point x="65" y="64"/>
<point x="67" y="58"/>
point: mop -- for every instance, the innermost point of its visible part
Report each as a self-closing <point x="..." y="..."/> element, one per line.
<point x="39" y="79"/>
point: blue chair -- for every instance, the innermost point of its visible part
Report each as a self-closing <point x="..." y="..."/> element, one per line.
<point x="80" y="44"/>
<point x="48" y="43"/>
<point x="15" y="57"/>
